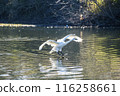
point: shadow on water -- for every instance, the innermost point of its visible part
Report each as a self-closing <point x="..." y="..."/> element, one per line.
<point x="96" y="58"/>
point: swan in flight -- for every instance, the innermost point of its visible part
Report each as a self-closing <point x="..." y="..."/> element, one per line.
<point x="60" y="43"/>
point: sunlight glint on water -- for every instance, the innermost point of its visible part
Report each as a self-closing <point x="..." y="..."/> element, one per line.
<point x="96" y="58"/>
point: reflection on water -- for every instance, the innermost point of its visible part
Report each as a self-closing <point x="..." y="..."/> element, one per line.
<point x="97" y="57"/>
<point x="58" y="71"/>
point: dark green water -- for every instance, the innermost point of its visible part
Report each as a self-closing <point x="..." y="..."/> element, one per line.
<point x="96" y="58"/>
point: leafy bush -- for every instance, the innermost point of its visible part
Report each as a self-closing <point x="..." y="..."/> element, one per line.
<point x="60" y="12"/>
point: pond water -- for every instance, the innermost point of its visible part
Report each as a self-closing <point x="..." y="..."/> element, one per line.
<point x="96" y="58"/>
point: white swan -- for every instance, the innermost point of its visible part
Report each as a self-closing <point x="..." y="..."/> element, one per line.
<point x="60" y="43"/>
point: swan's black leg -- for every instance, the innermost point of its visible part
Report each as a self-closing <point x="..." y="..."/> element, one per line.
<point x="60" y="53"/>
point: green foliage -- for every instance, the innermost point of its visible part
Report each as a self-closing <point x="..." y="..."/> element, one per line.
<point x="58" y="12"/>
<point x="105" y="10"/>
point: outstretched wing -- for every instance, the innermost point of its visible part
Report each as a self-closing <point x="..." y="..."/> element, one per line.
<point x="49" y="42"/>
<point x="76" y="38"/>
<point x="64" y="38"/>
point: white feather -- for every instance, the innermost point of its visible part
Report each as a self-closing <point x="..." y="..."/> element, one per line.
<point x="77" y="39"/>
<point x="60" y="43"/>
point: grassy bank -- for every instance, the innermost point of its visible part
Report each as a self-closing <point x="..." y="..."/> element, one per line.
<point x="16" y="25"/>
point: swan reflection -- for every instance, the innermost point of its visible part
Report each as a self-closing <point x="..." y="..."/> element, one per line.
<point x="57" y="69"/>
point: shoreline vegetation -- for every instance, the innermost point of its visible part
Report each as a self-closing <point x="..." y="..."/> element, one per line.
<point x="91" y="13"/>
<point x="16" y="25"/>
<point x="53" y="26"/>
